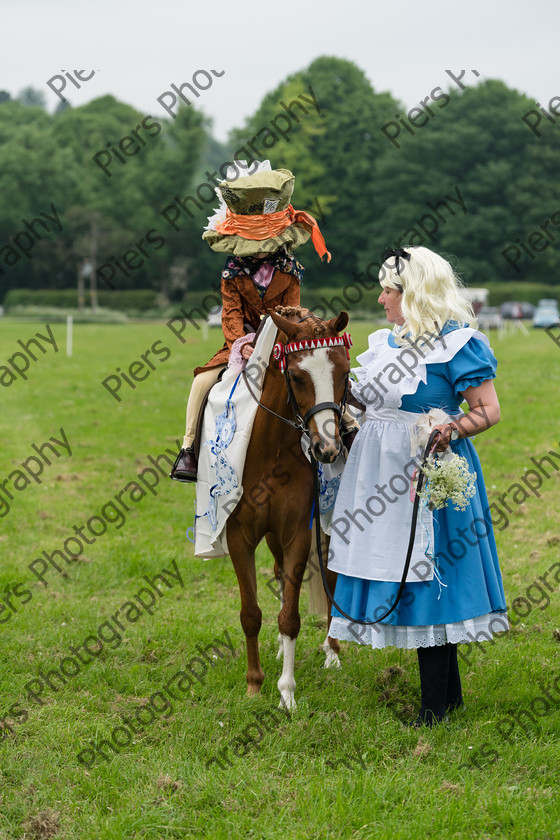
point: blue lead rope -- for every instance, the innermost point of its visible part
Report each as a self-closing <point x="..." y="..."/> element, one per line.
<point x="312" y="514"/>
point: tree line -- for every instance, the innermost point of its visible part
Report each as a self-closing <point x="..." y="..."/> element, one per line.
<point x="103" y="191"/>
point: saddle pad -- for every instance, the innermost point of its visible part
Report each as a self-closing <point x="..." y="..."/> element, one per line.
<point x="226" y="431"/>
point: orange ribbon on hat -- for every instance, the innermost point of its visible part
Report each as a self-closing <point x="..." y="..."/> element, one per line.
<point x="267" y="225"/>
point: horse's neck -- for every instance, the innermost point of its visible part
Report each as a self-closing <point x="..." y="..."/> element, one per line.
<point x="275" y="393"/>
<point x="275" y="397"/>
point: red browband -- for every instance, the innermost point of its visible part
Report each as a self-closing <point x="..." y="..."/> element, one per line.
<point x="281" y="350"/>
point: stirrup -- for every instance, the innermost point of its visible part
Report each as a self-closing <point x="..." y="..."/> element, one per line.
<point x="185" y="466"/>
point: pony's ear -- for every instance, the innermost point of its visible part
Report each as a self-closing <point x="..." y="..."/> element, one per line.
<point x="339" y="323"/>
<point x="282" y="323"/>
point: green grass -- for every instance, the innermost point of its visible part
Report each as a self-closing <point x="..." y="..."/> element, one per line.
<point x="342" y="766"/>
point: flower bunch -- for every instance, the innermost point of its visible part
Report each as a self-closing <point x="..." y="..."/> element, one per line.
<point x="447" y="481"/>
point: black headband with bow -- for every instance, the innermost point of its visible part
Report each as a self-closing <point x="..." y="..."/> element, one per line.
<point x="396" y="253"/>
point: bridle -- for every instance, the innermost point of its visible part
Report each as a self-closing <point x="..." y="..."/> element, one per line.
<point x="280" y="353"/>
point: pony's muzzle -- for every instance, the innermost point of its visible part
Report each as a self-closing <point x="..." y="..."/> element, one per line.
<point x="326" y="451"/>
<point x="326" y="442"/>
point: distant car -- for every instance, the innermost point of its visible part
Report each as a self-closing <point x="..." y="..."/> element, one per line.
<point x="489" y="318"/>
<point x="546" y="314"/>
<point x="517" y="309"/>
<point x="215" y="317"/>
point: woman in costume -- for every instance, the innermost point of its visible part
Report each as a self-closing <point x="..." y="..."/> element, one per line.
<point x="413" y="380"/>
<point x="259" y="228"/>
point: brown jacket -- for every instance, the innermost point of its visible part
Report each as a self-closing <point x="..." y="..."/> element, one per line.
<point x="243" y="305"/>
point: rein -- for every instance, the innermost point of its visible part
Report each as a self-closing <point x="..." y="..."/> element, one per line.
<point x="419" y="485"/>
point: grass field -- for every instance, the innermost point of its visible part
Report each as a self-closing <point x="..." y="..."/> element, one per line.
<point x="342" y="766"/>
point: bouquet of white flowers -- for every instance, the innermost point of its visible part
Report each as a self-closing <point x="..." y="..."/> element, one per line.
<point x="448" y="480"/>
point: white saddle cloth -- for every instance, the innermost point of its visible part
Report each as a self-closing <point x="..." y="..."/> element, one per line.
<point x="226" y="431"/>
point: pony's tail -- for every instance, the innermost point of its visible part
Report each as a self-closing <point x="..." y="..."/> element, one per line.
<point x="318" y="603"/>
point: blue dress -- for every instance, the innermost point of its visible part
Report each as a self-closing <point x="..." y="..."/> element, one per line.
<point x="464" y="599"/>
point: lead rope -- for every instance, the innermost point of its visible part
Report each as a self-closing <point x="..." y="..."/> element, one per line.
<point x="419" y="484"/>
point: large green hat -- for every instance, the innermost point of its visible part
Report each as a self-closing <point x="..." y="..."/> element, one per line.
<point x="261" y="194"/>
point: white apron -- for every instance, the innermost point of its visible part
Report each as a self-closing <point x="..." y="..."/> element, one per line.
<point x="373" y="513"/>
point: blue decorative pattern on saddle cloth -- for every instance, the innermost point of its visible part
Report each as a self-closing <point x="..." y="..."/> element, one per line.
<point x="328" y="488"/>
<point x="225" y="476"/>
<point x="329" y="482"/>
<point x="227" y="430"/>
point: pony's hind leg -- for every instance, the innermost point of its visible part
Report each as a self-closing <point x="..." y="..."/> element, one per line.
<point x="331" y="646"/>
<point x="243" y="559"/>
<point x="319" y="602"/>
<point x="332" y="649"/>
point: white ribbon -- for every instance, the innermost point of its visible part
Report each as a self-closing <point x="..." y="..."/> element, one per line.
<point x="422" y="429"/>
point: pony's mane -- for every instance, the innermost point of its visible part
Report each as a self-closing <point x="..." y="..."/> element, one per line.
<point x="316" y="325"/>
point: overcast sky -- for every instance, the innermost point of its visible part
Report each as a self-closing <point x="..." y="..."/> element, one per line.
<point x="139" y="48"/>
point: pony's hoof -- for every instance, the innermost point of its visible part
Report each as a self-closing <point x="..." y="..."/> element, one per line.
<point x="288" y="703"/>
<point x="331" y="660"/>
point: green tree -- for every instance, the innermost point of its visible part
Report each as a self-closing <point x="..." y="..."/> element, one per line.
<point x="479" y="145"/>
<point x="32" y="97"/>
<point x="332" y="154"/>
<point x="123" y="194"/>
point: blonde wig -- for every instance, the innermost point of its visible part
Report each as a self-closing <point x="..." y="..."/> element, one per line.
<point x="430" y="294"/>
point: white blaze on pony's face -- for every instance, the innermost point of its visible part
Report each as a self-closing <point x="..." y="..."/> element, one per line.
<point x="321" y="372"/>
<point x="316" y="371"/>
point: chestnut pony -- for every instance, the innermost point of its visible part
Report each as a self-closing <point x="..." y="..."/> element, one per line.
<point x="279" y="478"/>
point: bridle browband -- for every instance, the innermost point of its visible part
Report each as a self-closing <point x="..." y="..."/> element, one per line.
<point x="280" y="351"/>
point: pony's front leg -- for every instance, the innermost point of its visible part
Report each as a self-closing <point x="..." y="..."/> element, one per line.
<point x="287" y="683"/>
<point x="295" y="559"/>
<point x="243" y="559"/>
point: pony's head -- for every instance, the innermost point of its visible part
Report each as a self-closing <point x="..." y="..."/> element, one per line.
<point x="317" y="371"/>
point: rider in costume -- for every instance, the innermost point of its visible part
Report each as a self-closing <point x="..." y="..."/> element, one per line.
<point x="259" y="228"/>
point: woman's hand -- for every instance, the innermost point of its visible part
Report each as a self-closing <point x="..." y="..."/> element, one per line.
<point x="246" y="351"/>
<point x="444" y="439"/>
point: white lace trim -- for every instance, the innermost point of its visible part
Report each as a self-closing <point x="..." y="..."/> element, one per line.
<point x="479" y="629"/>
<point x="380" y="354"/>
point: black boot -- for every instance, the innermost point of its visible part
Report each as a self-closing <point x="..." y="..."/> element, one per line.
<point x="185" y="467"/>
<point x="434" y="675"/>
<point x="454" y="696"/>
